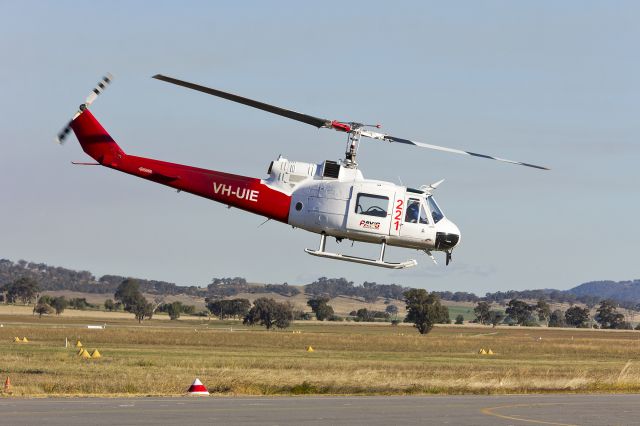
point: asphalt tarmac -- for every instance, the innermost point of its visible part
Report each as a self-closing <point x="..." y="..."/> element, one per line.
<point x="380" y="410"/>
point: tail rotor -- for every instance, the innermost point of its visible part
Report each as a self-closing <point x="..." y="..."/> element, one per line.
<point x="97" y="91"/>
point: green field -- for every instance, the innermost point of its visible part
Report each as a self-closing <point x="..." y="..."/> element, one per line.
<point x="466" y="311"/>
<point x="164" y="357"/>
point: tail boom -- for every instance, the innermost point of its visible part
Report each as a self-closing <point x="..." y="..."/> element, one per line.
<point x="246" y="193"/>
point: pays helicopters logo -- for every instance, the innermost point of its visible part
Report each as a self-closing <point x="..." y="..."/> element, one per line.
<point x="240" y="193"/>
<point x="367" y="224"/>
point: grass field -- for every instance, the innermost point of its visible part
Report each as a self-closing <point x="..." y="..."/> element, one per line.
<point x="163" y="358"/>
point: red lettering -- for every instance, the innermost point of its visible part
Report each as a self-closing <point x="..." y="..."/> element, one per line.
<point x="398" y="214"/>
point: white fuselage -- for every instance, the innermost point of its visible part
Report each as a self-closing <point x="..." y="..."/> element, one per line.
<point x="339" y="202"/>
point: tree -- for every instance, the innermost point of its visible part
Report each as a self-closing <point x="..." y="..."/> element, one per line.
<point x="320" y="307"/>
<point x="189" y="309"/>
<point x="576" y="316"/>
<point x="392" y="310"/>
<point x="608" y="316"/>
<point x="369" y="292"/>
<point x="556" y="319"/>
<point x="59" y="304"/>
<point x="174" y="310"/>
<point x="364" y="315"/>
<point x="80" y="303"/>
<point x="229" y="308"/>
<point x="128" y="292"/>
<point x="495" y="318"/>
<point x="142" y="309"/>
<point x="24" y="289"/>
<point x="519" y="311"/>
<point x="109" y="305"/>
<point x="284" y="314"/>
<point x="424" y="309"/>
<point x="46" y="299"/>
<point x="544" y="311"/>
<point x="219" y="308"/>
<point x="481" y="312"/>
<point x="42" y="309"/>
<point x="268" y="312"/>
<point x="240" y="307"/>
<point x="459" y="319"/>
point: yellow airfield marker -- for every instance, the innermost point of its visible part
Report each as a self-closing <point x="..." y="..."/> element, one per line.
<point x="96" y="354"/>
<point x="310" y="349"/>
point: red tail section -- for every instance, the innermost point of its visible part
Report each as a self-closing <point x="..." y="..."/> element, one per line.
<point x="95" y="140"/>
<point x="246" y="193"/>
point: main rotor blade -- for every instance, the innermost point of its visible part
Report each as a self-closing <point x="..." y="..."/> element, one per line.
<point x="390" y="138"/>
<point x="304" y="118"/>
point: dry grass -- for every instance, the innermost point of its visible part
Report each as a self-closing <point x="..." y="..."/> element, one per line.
<point x="163" y="358"/>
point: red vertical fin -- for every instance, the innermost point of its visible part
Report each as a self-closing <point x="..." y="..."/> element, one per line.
<point x="95" y="140"/>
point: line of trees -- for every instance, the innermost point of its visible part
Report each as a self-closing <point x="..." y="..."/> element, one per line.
<point x="423" y="308"/>
<point x="24" y="290"/>
<point x="369" y="291"/>
<point x="52" y="278"/>
<point x="232" y="308"/>
<point x="519" y="312"/>
<point x="175" y="309"/>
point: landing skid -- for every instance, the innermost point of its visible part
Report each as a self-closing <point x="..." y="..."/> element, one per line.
<point x="371" y="262"/>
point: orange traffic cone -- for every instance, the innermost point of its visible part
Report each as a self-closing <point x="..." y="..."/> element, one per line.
<point x="197" y="388"/>
<point x="7" y="385"/>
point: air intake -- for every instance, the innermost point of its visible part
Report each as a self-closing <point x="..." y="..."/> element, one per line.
<point x="331" y="169"/>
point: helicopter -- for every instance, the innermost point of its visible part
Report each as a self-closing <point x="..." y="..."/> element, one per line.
<point x="330" y="198"/>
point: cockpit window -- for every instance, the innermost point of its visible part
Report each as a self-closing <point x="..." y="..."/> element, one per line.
<point x="372" y="205"/>
<point x="436" y="213"/>
<point x="415" y="212"/>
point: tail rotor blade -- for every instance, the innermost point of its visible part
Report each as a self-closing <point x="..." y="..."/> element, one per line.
<point x="100" y="87"/>
<point x="62" y="135"/>
<point x="97" y="91"/>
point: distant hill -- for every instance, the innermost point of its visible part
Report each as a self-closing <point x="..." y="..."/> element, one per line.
<point x="52" y="278"/>
<point x="621" y="291"/>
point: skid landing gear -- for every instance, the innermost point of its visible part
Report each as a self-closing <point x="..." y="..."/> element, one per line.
<point x="372" y="262"/>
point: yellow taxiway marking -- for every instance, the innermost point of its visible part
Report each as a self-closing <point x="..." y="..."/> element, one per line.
<point x="490" y="411"/>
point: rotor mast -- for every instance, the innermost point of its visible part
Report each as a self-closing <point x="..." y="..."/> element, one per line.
<point x="355" y="132"/>
<point x="353" y="143"/>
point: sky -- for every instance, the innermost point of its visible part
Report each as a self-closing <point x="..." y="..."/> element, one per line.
<point x="545" y="82"/>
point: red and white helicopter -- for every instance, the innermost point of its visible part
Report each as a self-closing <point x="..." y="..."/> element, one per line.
<point x="328" y="198"/>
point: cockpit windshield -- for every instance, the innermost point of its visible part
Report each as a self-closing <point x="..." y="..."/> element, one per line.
<point x="436" y="213"/>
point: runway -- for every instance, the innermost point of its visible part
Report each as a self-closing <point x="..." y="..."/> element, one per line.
<point x="401" y="410"/>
